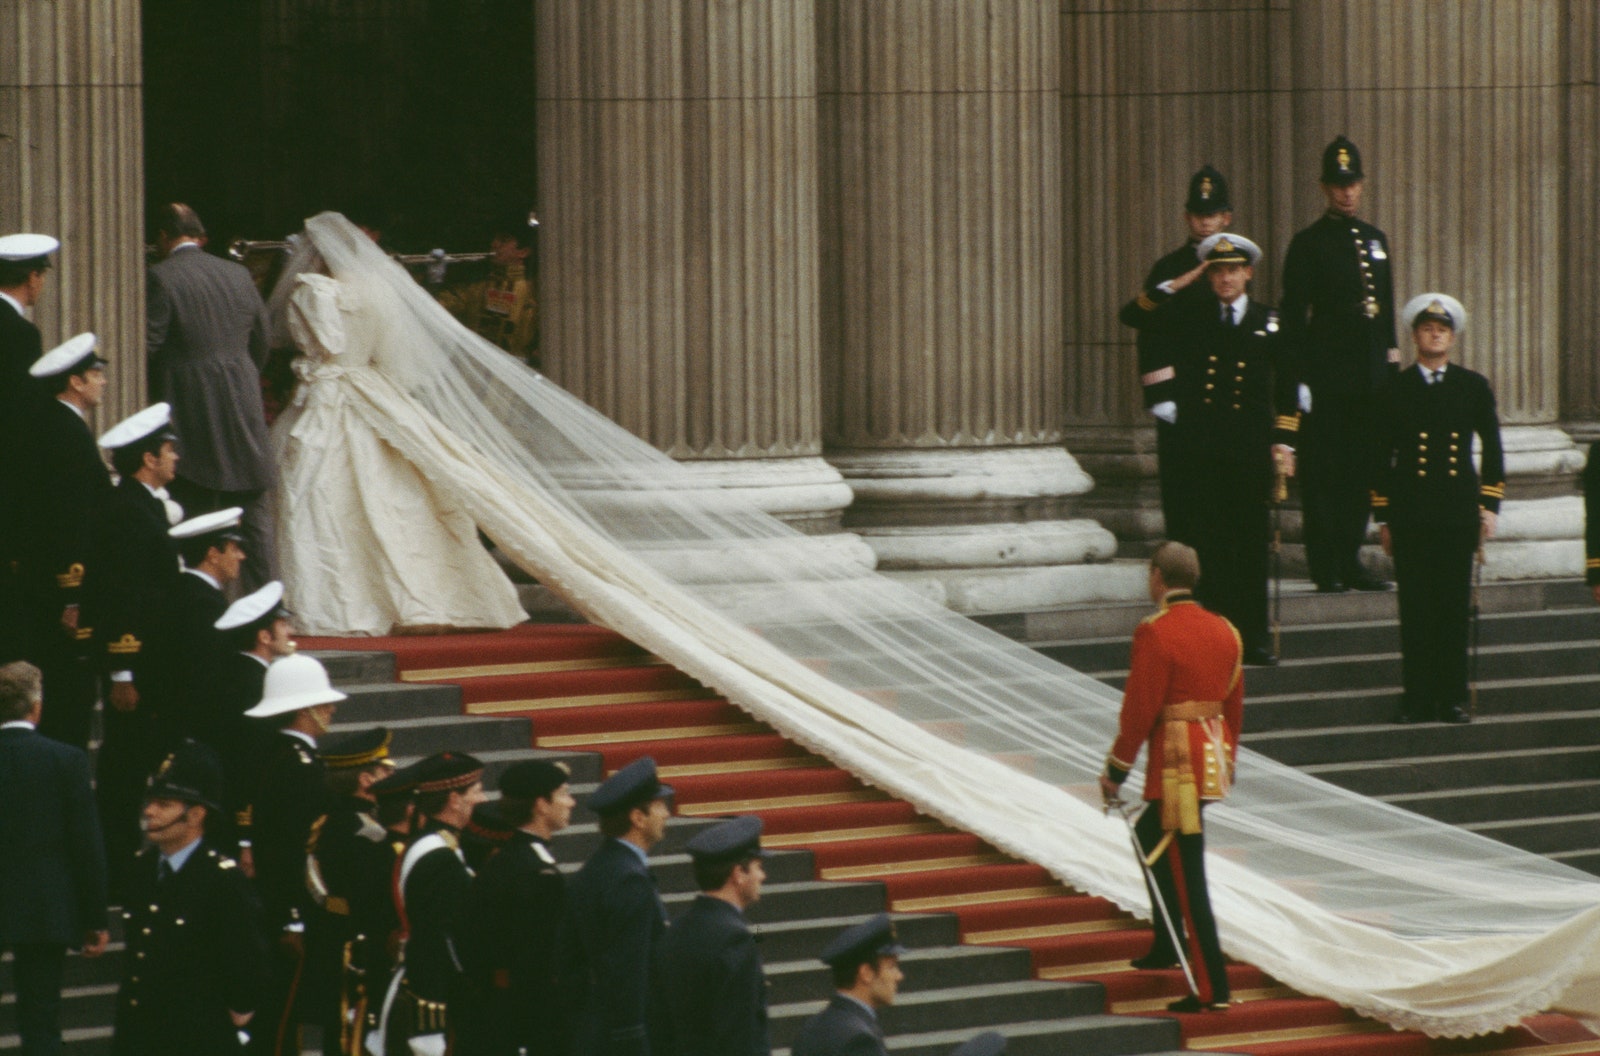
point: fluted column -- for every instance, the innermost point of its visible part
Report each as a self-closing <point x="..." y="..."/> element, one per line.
<point x="1458" y="110"/>
<point x="71" y="165"/>
<point x="1149" y="95"/>
<point x="942" y="296"/>
<point x="677" y="145"/>
<point x="1580" y="273"/>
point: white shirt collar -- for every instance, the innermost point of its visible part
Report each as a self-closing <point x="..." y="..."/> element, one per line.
<point x="263" y="663"/>
<point x="74" y="408"/>
<point x="177" y="859"/>
<point x="1239" y="307"/>
<point x="184" y="245"/>
<point x="15" y="304"/>
<point x="18" y="724"/>
<point x="208" y="577"/>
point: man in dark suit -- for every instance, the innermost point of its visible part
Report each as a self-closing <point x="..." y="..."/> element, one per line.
<point x="209" y="546"/>
<point x="65" y="485"/>
<point x="24" y="264"/>
<point x="1435" y="508"/>
<point x="617" y="916"/>
<point x="128" y="592"/>
<point x="1234" y="399"/>
<point x="865" y="962"/>
<point x="712" y="983"/>
<point x="290" y="796"/>
<point x="515" y="916"/>
<point x="192" y="972"/>
<point x="1207" y="211"/>
<point x="1338" y="320"/>
<point x="52" y="872"/>
<point x="207" y="344"/>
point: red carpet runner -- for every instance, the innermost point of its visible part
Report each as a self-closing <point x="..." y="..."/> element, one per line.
<point x="586" y="689"/>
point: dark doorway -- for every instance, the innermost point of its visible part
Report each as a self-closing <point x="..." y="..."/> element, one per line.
<point x="262" y="112"/>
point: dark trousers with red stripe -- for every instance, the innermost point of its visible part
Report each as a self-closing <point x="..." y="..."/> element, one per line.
<point x="1181" y="876"/>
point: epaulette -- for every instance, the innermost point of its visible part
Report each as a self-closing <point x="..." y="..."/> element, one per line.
<point x="127" y="645"/>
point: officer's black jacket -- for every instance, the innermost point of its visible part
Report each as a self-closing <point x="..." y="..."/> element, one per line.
<point x="1427" y="475"/>
<point x="510" y="939"/>
<point x="290" y="797"/>
<point x="20" y="347"/>
<point x="1153" y="343"/>
<point x="130" y="590"/>
<point x="1591" y="516"/>
<point x="844" y="1028"/>
<point x="435" y="896"/>
<point x="240" y="742"/>
<point x="65" y="487"/>
<point x="1331" y="270"/>
<point x="617" y="918"/>
<point x="712" y="985"/>
<point x="198" y="656"/>
<point x="194" y="952"/>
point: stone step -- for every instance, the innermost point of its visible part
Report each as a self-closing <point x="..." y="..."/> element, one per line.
<point x="1098" y="1035"/>
<point x="1504" y="802"/>
<point x="1541" y="835"/>
<point x="351" y="666"/>
<point x="936" y="968"/>
<point x="1332" y="709"/>
<point x="1386" y="740"/>
<point x="1404" y="775"/>
<point x="381" y="703"/>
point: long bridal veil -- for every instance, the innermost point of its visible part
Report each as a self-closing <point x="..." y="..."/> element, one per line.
<point x="1413" y="922"/>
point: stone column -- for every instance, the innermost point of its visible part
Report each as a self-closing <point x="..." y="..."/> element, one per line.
<point x="678" y="176"/>
<point x="1580" y="197"/>
<point x="942" y="297"/>
<point x="71" y="165"/>
<point x="1459" y="112"/>
<point x="1147" y="97"/>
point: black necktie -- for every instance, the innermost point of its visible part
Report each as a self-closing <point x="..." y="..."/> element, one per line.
<point x="163" y="871"/>
<point x="1227" y="315"/>
<point x="1435" y="377"/>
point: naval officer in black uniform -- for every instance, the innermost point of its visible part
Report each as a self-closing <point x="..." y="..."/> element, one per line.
<point x="65" y="486"/>
<point x="255" y="632"/>
<point x="1436" y="509"/>
<point x="212" y="560"/>
<point x="194" y="964"/>
<point x="1591" y="520"/>
<point x="617" y="917"/>
<point x="1338" y="318"/>
<point x="865" y="962"/>
<point x="1234" y="394"/>
<point x="1207" y="211"/>
<point x="515" y="916"/>
<point x="712" y="983"/>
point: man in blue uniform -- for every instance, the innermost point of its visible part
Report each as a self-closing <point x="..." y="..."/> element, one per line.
<point x="865" y="962"/>
<point x="1207" y="211"/>
<point x="617" y="916"/>
<point x="712" y="983"/>
<point x="1435" y="508"/>
<point x="1338" y="319"/>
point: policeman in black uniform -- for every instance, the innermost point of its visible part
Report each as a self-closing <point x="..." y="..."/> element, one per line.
<point x="515" y="916"/>
<point x="127" y="599"/>
<point x="617" y="916"/>
<point x="65" y="486"/>
<point x="1234" y="391"/>
<point x="194" y="964"/>
<point x="712" y="982"/>
<point x="290" y="796"/>
<point x="865" y="962"/>
<point x="212" y="559"/>
<point x="1338" y="318"/>
<point x="1435" y="508"/>
<point x="432" y="889"/>
<point x="348" y="865"/>
<point x="1207" y="211"/>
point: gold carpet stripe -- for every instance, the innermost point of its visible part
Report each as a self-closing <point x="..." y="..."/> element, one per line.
<point x="869" y="832"/>
<point x="743" y="766"/>
<point x="1159" y="1004"/>
<point x="1569" y="1048"/>
<point x="596" y="700"/>
<point x="1083" y="971"/>
<point x="1050" y="931"/>
<point x="630" y="736"/>
<point x="531" y="667"/>
<point x="976" y="898"/>
<point x="820" y="799"/>
<point x="921" y="865"/>
<point x="1267" y="1037"/>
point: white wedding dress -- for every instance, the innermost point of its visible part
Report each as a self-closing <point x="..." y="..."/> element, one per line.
<point x="368" y="545"/>
<point x="1405" y="919"/>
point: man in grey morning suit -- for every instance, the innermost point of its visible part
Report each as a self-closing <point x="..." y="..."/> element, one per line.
<point x="207" y="342"/>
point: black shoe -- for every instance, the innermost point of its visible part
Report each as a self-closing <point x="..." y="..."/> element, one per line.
<point x="1404" y="717"/>
<point x="1455" y="713"/>
<point x="1258" y="656"/>
<point x="1194" y="1004"/>
<point x="1367" y="581"/>
<point x="1153" y="962"/>
<point x="1330" y="586"/>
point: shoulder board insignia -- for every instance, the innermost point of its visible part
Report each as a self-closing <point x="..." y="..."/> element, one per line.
<point x="127" y="645"/>
<point x="549" y="859"/>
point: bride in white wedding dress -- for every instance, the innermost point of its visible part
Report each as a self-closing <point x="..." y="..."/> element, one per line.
<point x="367" y="544"/>
<point x="1410" y="921"/>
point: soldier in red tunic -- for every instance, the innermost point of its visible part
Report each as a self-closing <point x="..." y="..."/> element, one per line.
<point x="1185" y="696"/>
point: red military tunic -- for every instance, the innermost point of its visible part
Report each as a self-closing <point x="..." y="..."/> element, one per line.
<point x="1185" y="696"/>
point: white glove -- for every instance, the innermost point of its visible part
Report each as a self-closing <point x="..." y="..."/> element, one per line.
<point x="1305" y="399"/>
<point x="427" y="1045"/>
<point x="1167" y="411"/>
